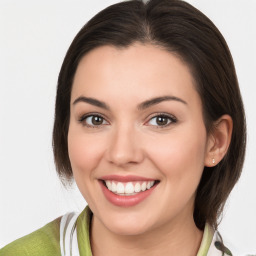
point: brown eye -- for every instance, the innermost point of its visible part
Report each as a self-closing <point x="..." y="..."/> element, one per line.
<point x="93" y="120"/>
<point x="97" y="120"/>
<point x="162" y="120"/>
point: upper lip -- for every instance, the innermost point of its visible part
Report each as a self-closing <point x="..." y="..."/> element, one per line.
<point x="125" y="178"/>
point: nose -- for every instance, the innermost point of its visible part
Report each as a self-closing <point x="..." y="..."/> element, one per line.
<point x="124" y="147"/>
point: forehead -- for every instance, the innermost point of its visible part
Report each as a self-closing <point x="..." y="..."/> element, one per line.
<point x="138" y="71"/>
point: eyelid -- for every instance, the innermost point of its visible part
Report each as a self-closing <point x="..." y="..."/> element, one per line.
<point x="172" y="119"/>
<point x="83" y="117"/>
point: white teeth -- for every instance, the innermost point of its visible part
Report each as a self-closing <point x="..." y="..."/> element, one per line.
<point x="143" y="186"/>
<point x="120" y="188"/>
<point x="109" y="184"/>
<point x="137" y="187"/>
<point x="113" y="185"/>
<point x="128" y="188"/>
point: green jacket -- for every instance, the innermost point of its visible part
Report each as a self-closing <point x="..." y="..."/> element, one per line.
<point x="46" y="240"/>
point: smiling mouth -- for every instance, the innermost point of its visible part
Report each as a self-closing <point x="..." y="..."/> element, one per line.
<point x="128" y="188"/>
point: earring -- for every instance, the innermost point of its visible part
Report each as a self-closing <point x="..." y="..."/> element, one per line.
<point x="213" y="161"/>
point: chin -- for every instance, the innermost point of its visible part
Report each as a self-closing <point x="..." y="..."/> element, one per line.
<point x="127" y="225"/>
<point x="127" y="230"/>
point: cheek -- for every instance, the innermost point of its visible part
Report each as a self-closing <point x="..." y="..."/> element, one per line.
<point x="84" y="152"/>
<point x="180" y="157"/>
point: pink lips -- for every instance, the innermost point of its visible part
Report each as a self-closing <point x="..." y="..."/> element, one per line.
<point x="125" y="178"/>
<point x="125" y="201"/>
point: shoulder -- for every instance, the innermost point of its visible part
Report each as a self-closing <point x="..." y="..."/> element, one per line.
<point x="44" y="241"/>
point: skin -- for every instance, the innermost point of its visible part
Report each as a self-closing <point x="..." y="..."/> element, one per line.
<point x="129" y="141"/>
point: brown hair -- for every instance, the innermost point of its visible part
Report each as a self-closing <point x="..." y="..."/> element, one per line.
<point x="183" y="30"/>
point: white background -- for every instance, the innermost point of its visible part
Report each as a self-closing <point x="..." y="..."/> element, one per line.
<point x="34" y="37"/>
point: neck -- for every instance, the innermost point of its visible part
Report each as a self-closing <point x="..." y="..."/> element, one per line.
<point x="179" y="238"/>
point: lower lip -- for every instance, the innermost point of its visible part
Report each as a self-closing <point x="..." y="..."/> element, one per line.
<point x="125" y="201"/>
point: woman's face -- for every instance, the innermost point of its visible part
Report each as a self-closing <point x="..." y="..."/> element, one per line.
<point x="136" y="123"/>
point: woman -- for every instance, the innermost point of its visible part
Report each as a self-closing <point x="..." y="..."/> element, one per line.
<point x="149" y="122"/>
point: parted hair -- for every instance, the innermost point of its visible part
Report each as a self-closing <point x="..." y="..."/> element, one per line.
<point x="183" y="30"/>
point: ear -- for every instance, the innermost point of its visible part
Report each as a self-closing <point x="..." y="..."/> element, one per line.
<point x="218" y="141"/>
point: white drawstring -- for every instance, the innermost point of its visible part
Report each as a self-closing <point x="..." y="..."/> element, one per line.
<point x="68" y="236"/>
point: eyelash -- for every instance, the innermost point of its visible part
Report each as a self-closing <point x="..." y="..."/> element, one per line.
<point x="84" y="117"/>
<point x="171" y="120"/>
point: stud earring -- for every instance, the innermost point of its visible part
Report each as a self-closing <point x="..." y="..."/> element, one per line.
<point x="213" y="161"/>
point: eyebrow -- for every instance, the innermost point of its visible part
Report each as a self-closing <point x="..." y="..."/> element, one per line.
<point x="92" y="101"/>
<point x="157" y="100"/>
<point x="141" y="106"/>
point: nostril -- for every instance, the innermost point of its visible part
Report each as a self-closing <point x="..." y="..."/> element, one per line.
<point x="123" y="148"/>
